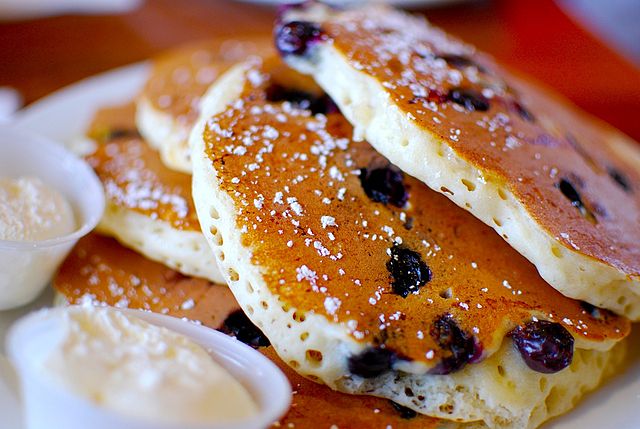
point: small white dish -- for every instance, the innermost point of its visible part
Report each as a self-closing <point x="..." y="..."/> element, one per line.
<point x="49" y="405"/>
<point x="27" y="266"/>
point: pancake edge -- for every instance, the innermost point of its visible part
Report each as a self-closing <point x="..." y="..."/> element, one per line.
<point x="165" y="134"/>
<point x="184" y="251"/>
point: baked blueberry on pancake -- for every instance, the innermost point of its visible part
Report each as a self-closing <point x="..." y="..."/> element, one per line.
<point x="101" y="271"/>
<point x="149" y="207"/>
<point x="168" y="104"/>
<point x="547" y="178"/>
<point x="368" y="281"/>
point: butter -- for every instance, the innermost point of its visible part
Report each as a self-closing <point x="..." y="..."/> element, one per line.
<point x="141" y="370"/>
<point x="32" y="211"/>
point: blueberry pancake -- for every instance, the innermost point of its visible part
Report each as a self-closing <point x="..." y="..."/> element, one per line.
<point x="149" y="207"/>
<point x="168" y="104"/>
<point x="547" y="178"/>
<point x="365" y="279"/>
<point x="101" y="271"/>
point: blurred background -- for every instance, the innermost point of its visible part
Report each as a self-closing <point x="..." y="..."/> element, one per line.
<point x="589" y="50"/>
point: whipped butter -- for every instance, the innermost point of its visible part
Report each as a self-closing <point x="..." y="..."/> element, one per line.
<point x="141" y="370"/>
<point x="32" y="211"/>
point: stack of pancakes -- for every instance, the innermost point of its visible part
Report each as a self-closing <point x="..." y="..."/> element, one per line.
<point x="460" y="249"/>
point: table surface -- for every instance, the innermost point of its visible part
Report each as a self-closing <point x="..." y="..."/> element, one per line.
<point x="537" y="38"/>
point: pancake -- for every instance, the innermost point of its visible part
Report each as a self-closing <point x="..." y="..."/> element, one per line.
<point x="99" y="270"/>
<point x="149" y="207"/>
<point x="168" y="104"/>
<point x="547" y="178"/>
<point x="366" y="280"/>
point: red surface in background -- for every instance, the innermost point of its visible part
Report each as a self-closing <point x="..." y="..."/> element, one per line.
<point x="535" y="37"/>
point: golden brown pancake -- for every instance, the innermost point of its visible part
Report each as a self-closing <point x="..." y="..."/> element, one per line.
<point x="365" y="278"/>
<point x="168" y="105"/>
<point x="546" y="178"/>
<point x="149" y="207"/>
<point x="101" y="271"/>
<point x="133" y="174"/>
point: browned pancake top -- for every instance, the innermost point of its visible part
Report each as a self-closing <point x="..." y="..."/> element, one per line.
<point x="133" y="174"/>
<point x="180" y="77"/>
<point x="101" y="270"/>
<point x="323" y="245"/>
<point x="569" y="180"/>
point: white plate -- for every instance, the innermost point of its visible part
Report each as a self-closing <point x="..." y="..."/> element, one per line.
<point x="64" y="115"/>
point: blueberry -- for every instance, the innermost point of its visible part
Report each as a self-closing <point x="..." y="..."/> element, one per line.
<point x="121" y="133"/>
<point x="620" y="179"/>
<point x="456" y="60"/>
<point x="408" y="225"/>
<point x="296" y="37"/>
<point x="458" y="346"/>
<point x="591" y="310"/>
<point x="238" y="325"/>
<point x="571" y="193"/>
<point x="546" y="347"/>
<point x="384" y="185"/>
<point x="461" y="61"/>
<point x="543" y="139"/>
<point x="523" y="112"/>
<point x="301" y="99"/>
<point x="372" y="362"/>
<point x="470" y="99"/>
<point x="405" y="413"/>
<point x="408" y="270"/>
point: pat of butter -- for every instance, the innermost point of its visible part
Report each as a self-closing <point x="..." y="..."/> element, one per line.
<point x="142" y="370"/>
<point x="32" y="211"/>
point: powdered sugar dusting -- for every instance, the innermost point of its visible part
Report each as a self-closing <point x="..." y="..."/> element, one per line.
<point x="323" y="245"/>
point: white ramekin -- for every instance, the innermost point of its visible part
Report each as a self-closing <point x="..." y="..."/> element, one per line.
<point x="50" y="405"/>
<point x="27" y="266"/>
